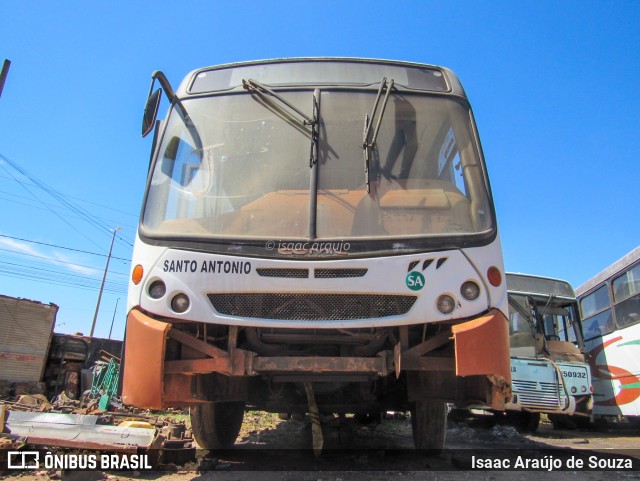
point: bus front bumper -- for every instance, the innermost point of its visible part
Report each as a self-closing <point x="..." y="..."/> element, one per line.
<point x="153" y="382"/>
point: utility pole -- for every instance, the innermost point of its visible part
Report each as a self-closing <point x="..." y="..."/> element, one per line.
<point x="114" y="316"/>
<point x="4" y="73"/>
<point x="104" y="277"/>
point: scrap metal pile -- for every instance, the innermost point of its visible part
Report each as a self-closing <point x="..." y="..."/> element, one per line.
<point x="96" y="421"/>
<point x="60" y="392"/>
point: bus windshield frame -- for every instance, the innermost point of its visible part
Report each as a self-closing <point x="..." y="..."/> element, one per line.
<point x="542" y="306"/>
<point x="251" y="177"/>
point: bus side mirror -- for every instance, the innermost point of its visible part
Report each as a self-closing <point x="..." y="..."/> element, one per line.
<point x="151" y="112"/>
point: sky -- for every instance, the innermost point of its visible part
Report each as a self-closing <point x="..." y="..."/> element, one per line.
<point x="553" y="86"/>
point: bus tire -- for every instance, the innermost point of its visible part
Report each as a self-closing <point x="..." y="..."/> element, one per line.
<point x="524" y="421"/>
<point x="216" y="425"/>
<point x="565" y="421"/>
<point x="429" y="425"/>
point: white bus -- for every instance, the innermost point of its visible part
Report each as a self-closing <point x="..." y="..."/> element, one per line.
<point x="548" y="367"/>
<point x="317" y="236"/>
<point x="610" y="307"/>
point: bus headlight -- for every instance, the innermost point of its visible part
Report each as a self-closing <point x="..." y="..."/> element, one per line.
<point x="157" y="289"/>
<point x="573" y="390"/>
<point x="470" y="290"/>
<point x="446" y="304"/>
<point x="180" y="303"/>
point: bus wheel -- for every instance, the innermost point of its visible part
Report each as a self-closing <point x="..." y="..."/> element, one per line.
<point x="564" y="421"/>
<point x="216" y="425"/>
<point x="429" y="424"/>
<point x="524" y="421"/>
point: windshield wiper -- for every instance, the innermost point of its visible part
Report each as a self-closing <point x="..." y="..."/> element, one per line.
<point x="256" y="87"/>
<point x="537" y="316"/>
<point x="368" y="140"/>
<point x="264" y="92"/>
<point x="546" y="306"/>
<point x="523" y="312"/>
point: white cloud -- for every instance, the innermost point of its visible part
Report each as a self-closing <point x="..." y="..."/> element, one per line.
<point x="19" y="246"/>
<point x="56" y="259"/>
<point x="71" y="265"/>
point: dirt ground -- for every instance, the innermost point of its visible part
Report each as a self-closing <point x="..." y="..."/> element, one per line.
<point x="270" y="449"/>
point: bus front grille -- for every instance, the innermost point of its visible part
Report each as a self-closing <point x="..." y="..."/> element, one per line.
<point x="278" y="272"/>
<point x="311" y="307"/>
<point x="536" y="395"/>
<point x="334" y="273"/>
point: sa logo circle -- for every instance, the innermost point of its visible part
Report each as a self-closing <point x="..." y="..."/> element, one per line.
<point x="415" y="281"/>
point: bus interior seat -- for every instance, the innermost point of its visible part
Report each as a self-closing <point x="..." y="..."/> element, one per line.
<point x="564" y="351"/>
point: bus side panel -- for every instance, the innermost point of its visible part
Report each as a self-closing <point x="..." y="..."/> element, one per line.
<point x="615" y="370"/>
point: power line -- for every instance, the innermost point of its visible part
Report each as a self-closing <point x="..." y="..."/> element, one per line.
<point x="76" y="198"/>
<point x="60" y="198"/>
<point x="62" y="247"/>
<point x="61" y="274"/>
<point x="53" y="193"/>
<point x="11" y="194"/>
<point x="56" y="276"/>
<point x="62" y="282"/>
<point x="47" y="207"/>
<point x="51" y="259"/>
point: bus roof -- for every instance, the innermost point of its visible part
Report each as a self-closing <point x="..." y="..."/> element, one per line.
<point x="321" y="71"/>
<point x="612" y="270"/>
<point x="529" y="284"/>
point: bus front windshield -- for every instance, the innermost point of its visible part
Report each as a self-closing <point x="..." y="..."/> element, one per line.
<point x="556" y="320"/>
<point x="248" y="172"/>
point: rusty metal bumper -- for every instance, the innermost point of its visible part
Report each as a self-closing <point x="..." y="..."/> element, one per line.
<point x="150" y="381"/>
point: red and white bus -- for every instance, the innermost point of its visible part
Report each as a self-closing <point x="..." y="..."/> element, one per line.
<point x="610" y="307"/>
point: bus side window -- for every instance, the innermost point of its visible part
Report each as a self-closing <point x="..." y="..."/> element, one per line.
<point x="626" y="291"/>
<point x="628" y="312"/>
<point x="598" y="325"/>
<point x="595" y="302"/>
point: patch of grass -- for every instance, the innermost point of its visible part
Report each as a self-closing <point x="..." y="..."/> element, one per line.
<point x="176" y="416"/>
<point x="258" y="421"/>
<point x="253" y="422"/>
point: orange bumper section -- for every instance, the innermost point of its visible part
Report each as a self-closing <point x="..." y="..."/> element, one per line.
<point x="482" y="346"/>
<point x="144" y="352"/>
